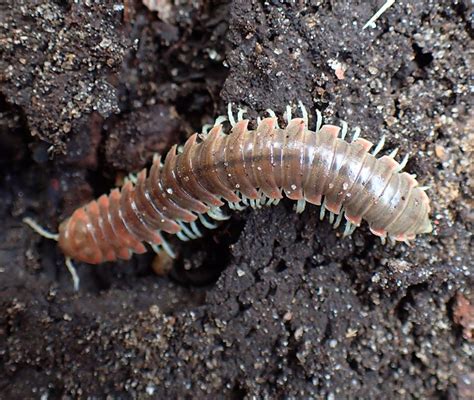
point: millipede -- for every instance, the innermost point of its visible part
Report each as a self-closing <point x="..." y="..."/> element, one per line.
<point x="249" y="168"/>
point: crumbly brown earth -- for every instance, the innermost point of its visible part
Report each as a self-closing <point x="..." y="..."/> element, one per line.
<point x="272" y="304"/>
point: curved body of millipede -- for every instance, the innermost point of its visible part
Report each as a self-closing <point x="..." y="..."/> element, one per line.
<point x="249" y="167"/>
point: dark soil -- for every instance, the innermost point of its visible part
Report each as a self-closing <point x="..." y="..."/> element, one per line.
<point x="272" y="304"/>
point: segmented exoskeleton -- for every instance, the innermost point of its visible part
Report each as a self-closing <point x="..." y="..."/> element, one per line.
<point x="249" y="167"/>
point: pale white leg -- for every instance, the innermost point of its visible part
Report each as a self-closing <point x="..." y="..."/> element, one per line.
<point x="182" y="236"/>
<point x="207" y="224"/>
<point x="205" y="129"/>
<point x="382" y="9"/>
<point x="352" y="229"/>
<point x="300" y="206"/>
<point x="220" y="119"/>
<point x="261" y="200"/>
<point x="187" y="231"/>
<point x="271" y="112"/>
<point x="288" y="114"/>
<point x="40" y="230"/>
<point x="195" y="229"/>
<point x="240" y="114"/>
<point x="379" y="146"/>
<point x="339" y="219"/>
<point x="72" y="270"/>
<point x="319" y="120"/>
<point x="230" y="115"/>
<point x="166" y="247"/>
<point x="322" y="212"/>
<point x="216" y="213"/>
<point x="131" y="177"/>
<point x="344" y="129"/>
<point x="239" y="207"/>
<point x="331" y="217"/>
<point x="393" y="153"/>
<point x="347" y="229"/>
<point x="304" y="113"/>
<point x="403" y="164"/>
<point x="356" y="134"/>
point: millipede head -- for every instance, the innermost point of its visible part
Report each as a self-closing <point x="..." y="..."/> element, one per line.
<point x="76" y="241"/>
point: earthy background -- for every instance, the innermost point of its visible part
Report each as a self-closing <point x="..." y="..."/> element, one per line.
<point x="271" y="304"/>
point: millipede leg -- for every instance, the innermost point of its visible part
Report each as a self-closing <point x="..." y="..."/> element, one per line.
<point x="72" y="270"/>
<point x="381" y="10"/>
<point x="182" y="236"/>
<point x="338" y="219"/>
<point x="322" y="212"/>
<point x="331" y="217"/>
<point x="207" y="224"/>
<point x="271" y="112"/>
<point x="379" y="146"/>
<point x="166" y="247"/>
<point x="356" y="134"/>
<point x="304" y="113"/>
<point x="230" y="115"/>
<point x="220" y="119"/>
<point x="403" y="164"/>
<point x="344" y="129"/>
<point x="205" y="129"/>
<point x="239" y="207"/>
<point x="130" y="177"/>
<point x="352" y="229"/>
<point x="347" y="229"/>
<point x="195" y="229"/>
<point x="288" y="114"/>
<point x="300" y="206"/>
<point x="187" y="231"/>
<point x="240" y="114"/>
<point x="319" y="120"/>
<point x="40" y="230"/>
<point x="393" y="153"/>
<point x="216" y="213"/>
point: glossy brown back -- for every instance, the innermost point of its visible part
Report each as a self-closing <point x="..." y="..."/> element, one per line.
<point x="295" y="161"/>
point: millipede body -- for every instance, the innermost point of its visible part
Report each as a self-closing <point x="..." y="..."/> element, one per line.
<point x="249" y="167"/>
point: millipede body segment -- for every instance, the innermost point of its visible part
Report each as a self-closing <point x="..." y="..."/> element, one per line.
<point x="249" y="167"/>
